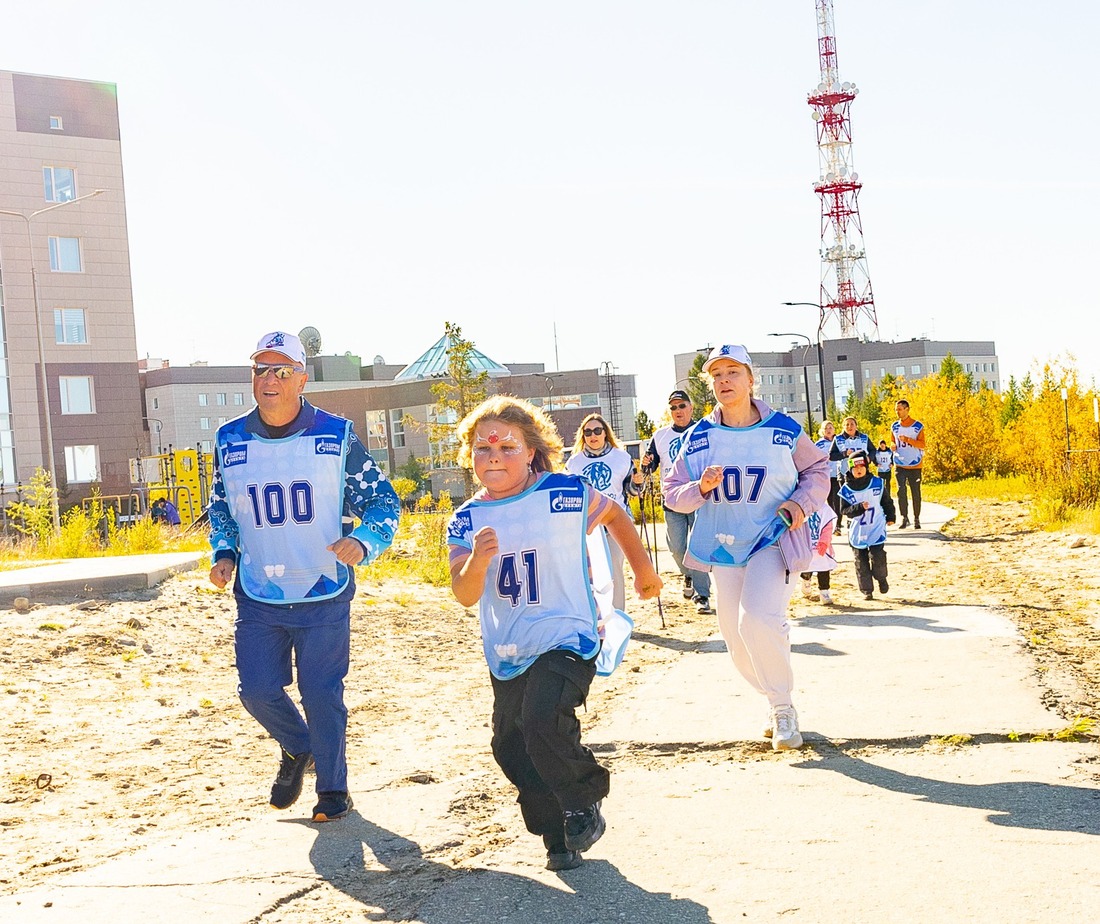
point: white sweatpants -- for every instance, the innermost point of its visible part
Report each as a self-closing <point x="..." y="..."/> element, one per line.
<point x="752" y="617"/>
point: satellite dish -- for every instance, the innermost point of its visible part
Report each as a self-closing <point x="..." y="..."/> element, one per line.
<point x="311" y="340"/>
<point x="379" y="361"/>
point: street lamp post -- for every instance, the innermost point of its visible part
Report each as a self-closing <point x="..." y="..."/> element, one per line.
<point x="820" y="361"/>
<point x="160" y="424"/>
<point x="47" y="425"/>
<point x="806" y="379"/>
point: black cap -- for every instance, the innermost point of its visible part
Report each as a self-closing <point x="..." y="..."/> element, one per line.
<point x="679" y="395"/>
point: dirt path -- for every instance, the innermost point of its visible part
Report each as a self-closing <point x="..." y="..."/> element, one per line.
<point x="122" y="722"/>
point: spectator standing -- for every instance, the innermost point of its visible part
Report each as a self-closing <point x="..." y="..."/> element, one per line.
<point x="870" y="511"/>
<point x="909" y="440"/>
<point x="518" y="549"/>
<point x="599" y="458"/>
<point x="663" y="448"/>
<point x="749" y="472"/>
<point x="288" y="480"/>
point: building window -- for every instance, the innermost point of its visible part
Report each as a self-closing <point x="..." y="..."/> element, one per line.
<point x="202" y="400"/>
<point x="156" y="404"/>
<point x="935" y="367"/>
<point x="220" y="398"/>
<point x="968" y="367"/>
<point x="206" y="446"/>
<point x="914" y="370"/>
<point x="69" y="325"/>
<point x="238" y="398"/>
<point x="77" y="395"/>
<point x="866" y="373"/>
<point x="844" y="381"/>
<point x="882" y="372"/>
<point x="59" y="184"/>
<point x="376" y="430"/>
<point x="81" y="464"/>
<point x="899" y="370"/>
<point x="65" y="255"/>
<point x="397" y="428"/>
<point x="56" y="124"/>
<point x="204" y="423"/>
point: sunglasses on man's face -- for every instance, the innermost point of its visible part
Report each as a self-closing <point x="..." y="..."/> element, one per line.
<point x="677" y="407"/>
<point x="593" y="431"/>
<point x="281" y="372"/>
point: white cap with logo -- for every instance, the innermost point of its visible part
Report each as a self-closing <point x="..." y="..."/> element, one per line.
<point x="281" y="342"/>
<point x="733" y="351"/>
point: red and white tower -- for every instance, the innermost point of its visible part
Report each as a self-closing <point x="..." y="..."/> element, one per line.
<point x="845" y="283"/>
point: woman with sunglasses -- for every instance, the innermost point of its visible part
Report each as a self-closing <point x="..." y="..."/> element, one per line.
<point x="599" y="458"/>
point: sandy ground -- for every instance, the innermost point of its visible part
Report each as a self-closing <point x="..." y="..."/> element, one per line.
<point x="122" y="723"/>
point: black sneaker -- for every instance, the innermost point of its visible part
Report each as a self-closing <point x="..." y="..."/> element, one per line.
<point x="702" y="605"/>
<point x="332" y="806"/>
<point x="558" y="856"/>
<point x="584" y="827"/>
<point x="288" y="784"/>
<point x="688" y="591"/>
<point x="883" y="587"/>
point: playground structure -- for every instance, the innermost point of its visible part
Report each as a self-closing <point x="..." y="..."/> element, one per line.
<point x="182" y="476"/>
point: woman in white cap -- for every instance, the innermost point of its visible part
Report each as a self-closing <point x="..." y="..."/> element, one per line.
<point x="749" y="473"/>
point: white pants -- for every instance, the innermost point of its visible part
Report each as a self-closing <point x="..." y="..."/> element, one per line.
<point x="752" y="617"/>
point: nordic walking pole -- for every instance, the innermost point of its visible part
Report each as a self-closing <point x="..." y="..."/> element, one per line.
<point x="647" y="488"/>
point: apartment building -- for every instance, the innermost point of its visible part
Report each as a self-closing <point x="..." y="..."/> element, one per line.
<point x="66" y="308"/>
<point x="855" y="365"/>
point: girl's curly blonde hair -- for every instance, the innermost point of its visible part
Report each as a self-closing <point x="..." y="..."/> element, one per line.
<point x="537" y="427"/>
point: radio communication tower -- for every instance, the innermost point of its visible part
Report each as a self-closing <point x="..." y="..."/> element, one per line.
<point x="845" y="283"/>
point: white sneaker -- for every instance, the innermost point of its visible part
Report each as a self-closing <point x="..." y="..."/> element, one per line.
<point x="785" y="733"/>
<point x="768" y="723"/>
<point x="808" y="589"/>
<point x="826" y="597"/>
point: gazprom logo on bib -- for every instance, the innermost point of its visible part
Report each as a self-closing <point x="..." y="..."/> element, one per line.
<point x="235" y="455"/>
<point x="326" y="446"/>
<point x="566" y="501"/>
<point x="782" y="438"/>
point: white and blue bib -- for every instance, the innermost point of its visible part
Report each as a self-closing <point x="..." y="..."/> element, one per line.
<point x="538" y="594"/>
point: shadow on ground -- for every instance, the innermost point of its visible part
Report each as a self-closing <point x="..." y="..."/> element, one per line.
<point x="411" y="886"/>
<point x="1025" y="804"/>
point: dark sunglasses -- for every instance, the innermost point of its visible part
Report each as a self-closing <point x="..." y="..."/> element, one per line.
<point x="677" y="407"/>
<point x="281" y="372"/>
<point x="592" y="431"/>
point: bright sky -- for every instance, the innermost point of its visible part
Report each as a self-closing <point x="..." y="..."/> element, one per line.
<point x="634" y="174"/>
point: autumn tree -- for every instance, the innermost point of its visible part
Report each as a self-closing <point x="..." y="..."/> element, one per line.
<point x="460" y="392"/>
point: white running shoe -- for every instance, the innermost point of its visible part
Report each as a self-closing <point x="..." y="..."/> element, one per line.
<point x="826" y="597"/>
<point x="808" y="589"/>
<point x="785" y="733"/>
<point x="768" y="723"/>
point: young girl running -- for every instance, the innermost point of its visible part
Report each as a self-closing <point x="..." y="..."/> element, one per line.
<point x="519" y="548"/>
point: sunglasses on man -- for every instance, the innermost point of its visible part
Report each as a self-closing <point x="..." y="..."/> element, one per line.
<point x="593" y="431"/>
<point x="281" y="372"/>
<point x="677" y="407"/>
